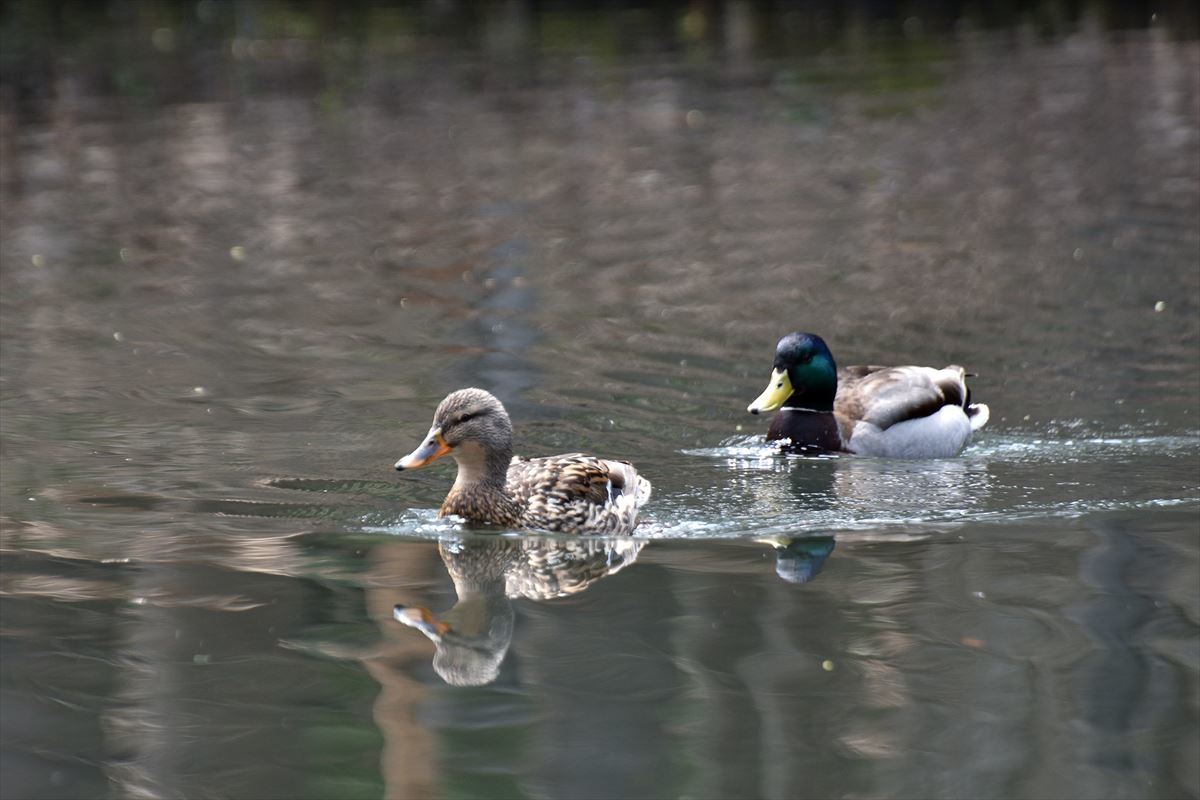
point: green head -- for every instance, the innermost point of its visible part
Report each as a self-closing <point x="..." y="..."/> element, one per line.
<point x="805" y="376"/>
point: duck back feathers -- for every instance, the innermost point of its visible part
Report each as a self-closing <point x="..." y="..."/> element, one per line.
<point x="906" y="412"/>
<point x="578" y="492"/>
<point x="884" y="396"/>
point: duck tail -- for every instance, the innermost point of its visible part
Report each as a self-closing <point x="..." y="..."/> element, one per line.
<point x="978" y="414"/>
<point x="641" y="492"/>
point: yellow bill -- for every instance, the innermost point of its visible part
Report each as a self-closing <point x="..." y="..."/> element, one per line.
<point x="775" y="395"/>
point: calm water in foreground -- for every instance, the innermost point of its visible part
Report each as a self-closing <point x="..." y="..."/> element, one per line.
<point x="226" y="314"/>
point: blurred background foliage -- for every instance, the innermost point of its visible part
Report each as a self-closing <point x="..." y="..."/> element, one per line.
<point x="162" y="51"/>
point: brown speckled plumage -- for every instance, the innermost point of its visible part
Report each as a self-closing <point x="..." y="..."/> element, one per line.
<point x="537" y="568"/>
<point x="472" y="638"/>
<point x="572" y="493"/>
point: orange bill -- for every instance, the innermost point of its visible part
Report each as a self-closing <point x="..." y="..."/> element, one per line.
<point x="421" y="619"/>
<point x="433" y="448"/>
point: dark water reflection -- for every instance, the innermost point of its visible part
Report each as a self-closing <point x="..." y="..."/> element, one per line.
<point x="693" y="670"/>
<point x="241" y="264"/>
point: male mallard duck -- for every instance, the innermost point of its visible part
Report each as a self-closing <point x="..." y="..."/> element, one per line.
<point x="895" y="412"/>
<point x="472" y="638"/>
<point x="573" y="493"/>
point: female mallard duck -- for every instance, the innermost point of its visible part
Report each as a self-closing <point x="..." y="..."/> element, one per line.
<point x="894" y="412"/>
<point x="573" y="493"/>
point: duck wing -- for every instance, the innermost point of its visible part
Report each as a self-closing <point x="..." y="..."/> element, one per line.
<point x="577" y="493"/>
<point x="884" y="396"/>
<point x="550" y="568"/>
<point x="856" y="373"/>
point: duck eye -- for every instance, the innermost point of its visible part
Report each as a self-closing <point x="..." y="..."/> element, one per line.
<point x="464" y="417"/>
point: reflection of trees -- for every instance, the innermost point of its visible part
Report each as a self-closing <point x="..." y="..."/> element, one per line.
<point x="168" y="677"/>
<point x="327" y="43"/>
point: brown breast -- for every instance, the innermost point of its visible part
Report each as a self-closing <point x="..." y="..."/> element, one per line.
<point x="810" y="431"/>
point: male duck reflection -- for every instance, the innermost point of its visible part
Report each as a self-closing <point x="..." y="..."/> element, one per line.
<point x="800" y="560"/>
<point x="572" y="493"/>
<point x="894" y="412"/>
<point x="472" y="638"/>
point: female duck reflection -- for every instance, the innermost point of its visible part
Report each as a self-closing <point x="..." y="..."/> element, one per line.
<point x="472" y="638"/>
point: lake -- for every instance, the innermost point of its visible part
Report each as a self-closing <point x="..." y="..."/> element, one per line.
<point x="243" y="260"/>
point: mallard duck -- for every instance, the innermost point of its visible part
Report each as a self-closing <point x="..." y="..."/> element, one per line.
<point x="472" y="638"/>
<point x="894" y="412"/>
<point x="572" y="493"/>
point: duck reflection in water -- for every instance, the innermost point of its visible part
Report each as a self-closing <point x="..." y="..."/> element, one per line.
<point x="472" y="638"/>
<point x="799" y="560"/>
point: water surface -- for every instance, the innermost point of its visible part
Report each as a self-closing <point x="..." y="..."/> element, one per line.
<point x="232" y="297"/>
